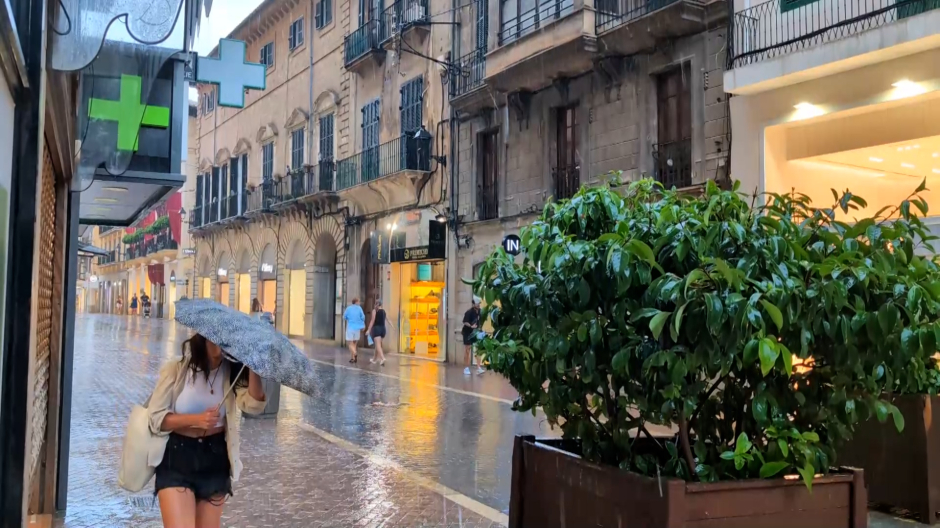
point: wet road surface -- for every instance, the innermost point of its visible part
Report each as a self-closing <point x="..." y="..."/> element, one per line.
<point x="413" y="443"/>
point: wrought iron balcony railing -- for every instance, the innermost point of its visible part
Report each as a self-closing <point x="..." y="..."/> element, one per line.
<point x="304" y="182"/>
<point x="403" y="14"/>
<point x="514" y="28"/>
<point x="231" y="206"/>
<point x="368" y="37"/>
<point x="615" y="13"/>
<point x="567" y="181"/>
<point x="400" y="154"/>
<point x="770" y="29"/>
<point x="469" y="74"/>
<point x="262" y="197"/>
<point x="673" y="163"/>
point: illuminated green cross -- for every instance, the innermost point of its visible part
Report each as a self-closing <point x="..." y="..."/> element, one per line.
<point x="129" y="113"/>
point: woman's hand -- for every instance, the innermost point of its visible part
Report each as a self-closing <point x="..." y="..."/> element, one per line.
<point x="207" y="420"/>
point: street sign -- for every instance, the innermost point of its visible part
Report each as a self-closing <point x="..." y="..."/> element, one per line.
<point x="231" y="72"/>
<point x="189" y="251"/>
<point x="129" y="113"/>
<point x="512" y="244"/>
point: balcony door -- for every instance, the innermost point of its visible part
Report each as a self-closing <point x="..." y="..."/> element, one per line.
<point x="411" y="116"/>
<point x="672" y="153"/>
<point x="567" y="171"/>
<point x="371" y="115"/>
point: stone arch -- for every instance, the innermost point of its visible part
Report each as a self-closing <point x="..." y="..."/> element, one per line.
<point x="223" y="156"/>
<point x="205" y="165"/>
<point x="326" y="102"/>
<point x="298" y="118"/>
<point x="243" y="261"/>
<point x="266" y="133"/>
<point x="243" y="146"/>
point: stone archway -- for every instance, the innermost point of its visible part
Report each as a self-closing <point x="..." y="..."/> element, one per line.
<point x="295" y="288"/>
<point x="267" y="278"/>
<point x="324" y="287"/>
<point x="369" y="283"/>
<point x="243" y="281"/>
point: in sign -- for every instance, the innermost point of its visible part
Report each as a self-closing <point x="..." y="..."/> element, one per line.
<point x="512" y="244"/>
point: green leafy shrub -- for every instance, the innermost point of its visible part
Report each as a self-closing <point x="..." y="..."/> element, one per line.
<point x="761" y="335"/>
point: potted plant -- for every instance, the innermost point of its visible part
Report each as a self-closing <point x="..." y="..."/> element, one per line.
<point x="760" y="336"/>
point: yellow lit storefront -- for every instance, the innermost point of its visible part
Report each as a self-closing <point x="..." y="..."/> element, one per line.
<point x="415" y="245"/>
<point x="243" y="283"/>
<point x="267" y="279"/>
<point x="224" y="289"/>
<point x="295" y="288"/>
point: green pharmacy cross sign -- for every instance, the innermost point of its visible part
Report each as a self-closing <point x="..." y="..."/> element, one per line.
<point x="129" y="113"/>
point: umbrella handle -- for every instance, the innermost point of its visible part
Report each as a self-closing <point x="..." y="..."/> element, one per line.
<point x="230" y="388"/>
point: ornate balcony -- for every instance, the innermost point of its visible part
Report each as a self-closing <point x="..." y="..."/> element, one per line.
<point x="364" y="46"/>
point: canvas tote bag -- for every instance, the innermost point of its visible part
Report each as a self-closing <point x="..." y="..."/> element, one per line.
<point x="135" y="471"/>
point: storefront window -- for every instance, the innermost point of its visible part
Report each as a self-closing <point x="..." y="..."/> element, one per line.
<point x="422" y="308"/>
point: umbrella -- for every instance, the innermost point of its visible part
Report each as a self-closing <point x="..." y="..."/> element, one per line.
<point x="249" y="340"/>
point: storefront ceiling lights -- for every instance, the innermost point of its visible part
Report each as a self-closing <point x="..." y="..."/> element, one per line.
<point x="907" y="88"/>
<point x="114" y="189"/>
<point x="908" y="166"/>
<point x="935" y="171"/>
<point x="806" y="110"/>
<point x="106" y="200"/>
<point x="876" y="160"/>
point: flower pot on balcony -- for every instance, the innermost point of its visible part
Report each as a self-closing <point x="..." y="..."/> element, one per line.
<point x="553" y="487"/>
<point x="903" y="468"/>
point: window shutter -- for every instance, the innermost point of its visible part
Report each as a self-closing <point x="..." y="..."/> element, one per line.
<point x="482" y="24"/>
<point x="320" y="14"/>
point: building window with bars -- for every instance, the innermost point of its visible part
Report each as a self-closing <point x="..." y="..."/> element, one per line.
<point x="297" y="149"/>
<point x="521" y="17"/>
<point x="672" y="153"/>
<point x="567" y="171"/>
<point x="324" y="13"/>
<point x="209" y="101"/>
<point x="267" y="161"/>
<point x="296" y="36"/>
<point x="267" y="55"/>
<point x="487" y="170"/>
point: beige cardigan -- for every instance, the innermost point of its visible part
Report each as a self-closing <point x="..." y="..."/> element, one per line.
<point x="163" y="401"/>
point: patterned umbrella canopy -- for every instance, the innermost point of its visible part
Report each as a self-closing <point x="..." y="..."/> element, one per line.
<point x="250" y="340"/>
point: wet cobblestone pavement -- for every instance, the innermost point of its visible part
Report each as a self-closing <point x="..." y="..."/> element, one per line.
<point x="413" y="443"/>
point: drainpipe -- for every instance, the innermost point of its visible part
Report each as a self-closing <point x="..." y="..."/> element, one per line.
<point x="310" y="111"/>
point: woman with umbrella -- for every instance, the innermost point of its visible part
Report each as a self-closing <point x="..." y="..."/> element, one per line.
<point x="195" y="408"/>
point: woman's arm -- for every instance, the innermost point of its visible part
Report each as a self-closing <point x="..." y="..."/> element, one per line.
<point x="371" y="322"/>
<point x="255" y="388"/>
<point x="175" y="422"/>
<point x="252" y="399"/>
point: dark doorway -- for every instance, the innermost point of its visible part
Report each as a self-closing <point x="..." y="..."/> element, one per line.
<point x="672" y="154"/>
<point x="368" y="285"/>
<point x="324" y="287"/>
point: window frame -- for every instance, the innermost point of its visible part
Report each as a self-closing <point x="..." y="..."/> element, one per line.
<point x="324" y="13"/>
<point x="266" y="55"/>
<point x="267" y="164"/>
<point x="323" y="138"/>
<point x="294" y="147"/>
<point x="295" y="36"/>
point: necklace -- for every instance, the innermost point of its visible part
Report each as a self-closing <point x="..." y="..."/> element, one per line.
<point x="211" y="389"/>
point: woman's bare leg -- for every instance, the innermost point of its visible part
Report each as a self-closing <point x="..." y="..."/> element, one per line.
<point x="178" y="508"/>
<point x="209" y="513"/>
<point x="379" y="353"/>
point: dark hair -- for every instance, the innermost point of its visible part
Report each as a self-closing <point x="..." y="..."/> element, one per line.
<point x="199" y="361"/>
<point x="256" y="305"/>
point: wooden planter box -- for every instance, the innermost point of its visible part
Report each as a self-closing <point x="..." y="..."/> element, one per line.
<point x="902" y="469"/>
<point x="552" y="487"/>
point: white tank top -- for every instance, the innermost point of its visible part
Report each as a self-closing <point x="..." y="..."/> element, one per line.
<point x="198" y="394"/>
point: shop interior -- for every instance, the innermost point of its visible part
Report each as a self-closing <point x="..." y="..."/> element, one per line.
<point x="881" y="153"/>
<point x="224" y="289"/>
<point x="421" y="307"/>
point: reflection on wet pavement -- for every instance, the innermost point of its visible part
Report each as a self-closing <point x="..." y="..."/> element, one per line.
<point x="374" y="447"/>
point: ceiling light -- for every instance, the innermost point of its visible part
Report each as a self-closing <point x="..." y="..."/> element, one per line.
<point x="114" y="189"/>
<point x="906" y="88"/>
<point x="806" y="110"/>
<point x="935" y="171"/>
<point x="876" y="160"/>
<point x="106" y="200"/>
<point x="900" y="149"/>
<point x="908" y="166"/>
<point x="917" y="146"/>
<point x="94" y="216"/>
<point x="936" y="154"/>
<point x="828" y="165"/>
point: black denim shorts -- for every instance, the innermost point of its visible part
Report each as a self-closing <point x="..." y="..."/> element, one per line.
<point x="197" y="464"/>
<point x="378" y="331"/>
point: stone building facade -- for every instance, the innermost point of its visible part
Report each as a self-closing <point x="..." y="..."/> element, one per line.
<point x="396" y="145"/>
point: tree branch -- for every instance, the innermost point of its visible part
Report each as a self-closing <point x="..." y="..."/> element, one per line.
<point x="684" y="441"/>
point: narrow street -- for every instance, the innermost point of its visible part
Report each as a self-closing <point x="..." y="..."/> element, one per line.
<point x="412" y="443"/>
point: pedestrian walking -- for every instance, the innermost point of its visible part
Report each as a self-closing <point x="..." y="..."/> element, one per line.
<point x="194" y="407"/>
<point x="134" y="305"/>
<point x="376" y="331"/>
<point x="120" y="306"/>
<point x="471" y="322"/>
<point x="355" y="322"/>
<point x="256" y="308"/>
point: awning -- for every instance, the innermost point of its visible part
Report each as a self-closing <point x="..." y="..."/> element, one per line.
<point x="122" y="200"/>
<point x="88" y="250"/>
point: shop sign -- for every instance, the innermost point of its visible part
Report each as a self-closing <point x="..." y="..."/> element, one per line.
<point x="231" y="73"/>
<point x="429" y="252"/>
<point x="267" y="271"/>
<point x="321" y="269"/>
<point x="511" y="244"/>
<point x="222" y="272"/>
<point x="379" y="243"/>
<point x="189" y="251"/>
<point x="93" y="278"/>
